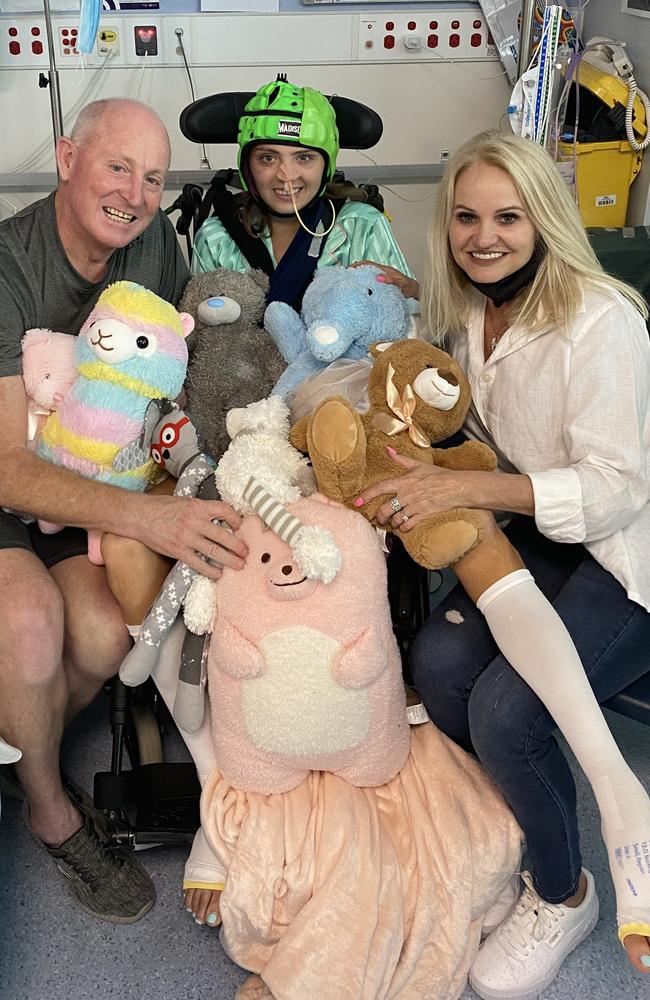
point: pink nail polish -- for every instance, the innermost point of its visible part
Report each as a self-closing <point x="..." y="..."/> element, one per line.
<point x="391" y="451"/>
<point x="381" y="277"/>
<point x="359" y="502"/>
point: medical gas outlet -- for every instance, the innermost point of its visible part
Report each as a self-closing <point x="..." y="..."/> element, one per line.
<point x="108" y="42"/>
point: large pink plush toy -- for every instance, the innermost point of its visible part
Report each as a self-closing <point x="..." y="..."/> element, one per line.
<point x="344" y="865"/>
<point x="304" y="675"/>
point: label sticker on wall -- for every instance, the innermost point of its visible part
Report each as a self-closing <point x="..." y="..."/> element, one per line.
<point x="605" y="200"/>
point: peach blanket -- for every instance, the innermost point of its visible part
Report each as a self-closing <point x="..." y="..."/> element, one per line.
<point x="343" y="893"/>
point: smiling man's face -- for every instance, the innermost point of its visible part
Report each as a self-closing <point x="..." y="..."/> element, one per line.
<point x="111" y="181"/>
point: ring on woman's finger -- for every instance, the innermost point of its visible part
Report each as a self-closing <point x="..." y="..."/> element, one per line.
<point x="395" y="504"/>
<point x="405" y="517"/>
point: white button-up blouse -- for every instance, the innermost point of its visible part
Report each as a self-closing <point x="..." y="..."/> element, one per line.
<point x="571" y="410"/>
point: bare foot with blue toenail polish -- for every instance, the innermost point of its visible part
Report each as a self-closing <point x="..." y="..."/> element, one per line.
<point x="203" y="904"/>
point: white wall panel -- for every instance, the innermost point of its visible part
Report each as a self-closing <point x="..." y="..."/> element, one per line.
<point x="427" y="106"/>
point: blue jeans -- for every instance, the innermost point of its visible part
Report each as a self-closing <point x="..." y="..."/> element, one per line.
<point x="474" y="696"/>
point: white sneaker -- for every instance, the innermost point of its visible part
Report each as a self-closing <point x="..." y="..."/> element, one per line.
<point x="8" y="754"/>
<point x="501" y="907"/>
<point x="524" y="954"/>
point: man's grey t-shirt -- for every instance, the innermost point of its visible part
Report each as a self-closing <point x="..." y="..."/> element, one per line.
<point x="40" y="288"/>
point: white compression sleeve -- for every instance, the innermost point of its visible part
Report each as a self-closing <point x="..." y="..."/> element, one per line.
<point x="165" y="675"/>
<point x="534" y="640"/>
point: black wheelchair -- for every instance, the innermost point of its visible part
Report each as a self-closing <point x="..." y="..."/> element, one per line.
<point x="155" y="801"/>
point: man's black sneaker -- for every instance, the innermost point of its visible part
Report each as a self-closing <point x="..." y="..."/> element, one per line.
<point x="105" y="882"/>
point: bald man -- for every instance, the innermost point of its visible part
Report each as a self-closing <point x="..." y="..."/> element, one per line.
<point x="63" y="634"/>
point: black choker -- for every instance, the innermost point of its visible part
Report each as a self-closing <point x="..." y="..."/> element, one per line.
<point x="507" y="288"/>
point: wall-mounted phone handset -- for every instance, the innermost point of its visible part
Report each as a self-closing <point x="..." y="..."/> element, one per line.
<point x="611" y="58"/>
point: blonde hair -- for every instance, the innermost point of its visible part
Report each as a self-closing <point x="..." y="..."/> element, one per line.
<point x="555" y="295"/>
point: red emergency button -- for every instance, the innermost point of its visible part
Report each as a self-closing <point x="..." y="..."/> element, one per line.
<point x="432" y="41"/>
<point x="14" y="48"/>
<point x="37" y="48"/>
<point x="476" y="41"/>
<point x="389" y="42"/>
<point x="454" y="41"/>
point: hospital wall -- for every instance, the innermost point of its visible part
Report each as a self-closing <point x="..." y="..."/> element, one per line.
<point x="430" y="101"/>
<point x="429" y="105"/>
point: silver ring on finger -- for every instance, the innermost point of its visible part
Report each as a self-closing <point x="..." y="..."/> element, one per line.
<point x="405" y="517"/>
<point x="395" y="504"/>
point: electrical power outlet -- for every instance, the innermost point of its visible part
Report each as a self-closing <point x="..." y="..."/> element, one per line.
<point x="23" y="43"/>
<point x="67" y="36"/>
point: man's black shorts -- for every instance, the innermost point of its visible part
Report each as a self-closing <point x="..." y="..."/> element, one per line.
<point x="50" y="549"/>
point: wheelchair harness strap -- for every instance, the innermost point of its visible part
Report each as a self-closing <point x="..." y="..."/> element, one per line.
<point x="289" y="280"/>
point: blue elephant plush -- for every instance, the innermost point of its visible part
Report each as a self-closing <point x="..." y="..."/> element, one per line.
<point x="344" y="310"/>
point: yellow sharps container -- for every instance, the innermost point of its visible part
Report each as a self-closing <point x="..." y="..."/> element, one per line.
<point x="606" y="166"/>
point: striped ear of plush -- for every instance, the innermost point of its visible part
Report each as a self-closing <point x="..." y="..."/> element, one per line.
<point x="313" y="548"/>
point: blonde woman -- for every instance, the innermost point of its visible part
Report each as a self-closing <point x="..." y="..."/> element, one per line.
<point x="558" y="359"/>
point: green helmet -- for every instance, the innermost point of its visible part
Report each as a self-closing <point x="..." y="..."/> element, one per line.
<point x="281" y="112"/>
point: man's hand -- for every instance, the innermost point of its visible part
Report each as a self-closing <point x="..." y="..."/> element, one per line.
<point x="185" y="529"/>
<point x="173" y="526"/>
<point x="391" y="276"/>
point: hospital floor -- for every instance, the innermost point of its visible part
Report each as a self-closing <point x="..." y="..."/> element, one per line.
<point x="51" y="950"/>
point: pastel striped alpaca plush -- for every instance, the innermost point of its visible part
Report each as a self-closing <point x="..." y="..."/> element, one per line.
<point x="130" y="350"/>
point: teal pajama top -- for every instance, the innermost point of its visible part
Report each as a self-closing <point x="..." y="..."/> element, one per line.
<point x="359" y="233"/>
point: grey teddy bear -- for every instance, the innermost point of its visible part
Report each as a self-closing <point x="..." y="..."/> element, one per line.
<point x="233" y="360"/>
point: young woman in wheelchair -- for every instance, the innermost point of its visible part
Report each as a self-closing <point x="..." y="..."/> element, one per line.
<point x="289" y="220"/>
<point x="292" y="217"/>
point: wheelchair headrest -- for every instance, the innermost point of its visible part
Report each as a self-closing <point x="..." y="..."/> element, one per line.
<point x="215" y="119"/>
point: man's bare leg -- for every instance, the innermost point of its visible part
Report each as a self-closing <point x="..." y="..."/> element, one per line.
<point x="36" y="691"/>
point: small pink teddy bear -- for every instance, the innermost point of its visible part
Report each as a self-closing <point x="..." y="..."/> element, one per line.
<point x="304" y="675"/>
<point x="48" y="372"/>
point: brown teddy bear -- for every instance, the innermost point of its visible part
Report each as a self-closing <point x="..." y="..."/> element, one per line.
<point x="418" y="396"/>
